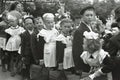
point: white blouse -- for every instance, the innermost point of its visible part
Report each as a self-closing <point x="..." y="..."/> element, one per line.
<point x="14" y="41"/>
<point x="97" y="59"/>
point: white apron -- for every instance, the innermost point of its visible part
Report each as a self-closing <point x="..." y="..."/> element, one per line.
<point x="50" y="54"/>
<point x="68" y="58"/>
<point x="49" y="47"/>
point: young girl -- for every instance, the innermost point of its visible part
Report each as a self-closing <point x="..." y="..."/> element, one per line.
<point x="93" y="55"/>
<point x="49" y="34"/>
<point x="13" y="43"/>
<point x="64" y="45"/>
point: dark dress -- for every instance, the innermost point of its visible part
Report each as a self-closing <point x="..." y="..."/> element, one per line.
<point x="60" y="51"/>
<point x="37" y="44"/>
<point x="77" y="47"/>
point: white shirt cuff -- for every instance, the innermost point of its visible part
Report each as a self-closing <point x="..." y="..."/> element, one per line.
<point x="97" y="73"/>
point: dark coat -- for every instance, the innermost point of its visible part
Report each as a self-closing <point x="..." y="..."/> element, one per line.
<point x="26" y="49"/>
<point x="112" y="65"/>
<point x="113" y="48"/>
<point x="77" y="47"/>
<point x="114" y="45"/>
<point x="37" y="46"/>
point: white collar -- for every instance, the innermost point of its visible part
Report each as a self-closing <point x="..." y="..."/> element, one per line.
<point x="14" y="27"/>
<point x="30" y="31"/>
<point x="95" y="54"/>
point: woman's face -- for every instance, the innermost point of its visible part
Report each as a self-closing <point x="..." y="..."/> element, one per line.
<point x="88" y="16"/>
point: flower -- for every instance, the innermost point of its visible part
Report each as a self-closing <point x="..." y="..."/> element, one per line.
<point x="91" y="35"/>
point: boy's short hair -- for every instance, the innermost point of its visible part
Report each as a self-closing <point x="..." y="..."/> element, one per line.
<point x="30" y="18"/>
<point x="65" y="20"/>
<point x="38" y="18"/>
<point x="86" y="8"/>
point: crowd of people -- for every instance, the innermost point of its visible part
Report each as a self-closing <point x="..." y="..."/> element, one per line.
<point x="54" y="41"/>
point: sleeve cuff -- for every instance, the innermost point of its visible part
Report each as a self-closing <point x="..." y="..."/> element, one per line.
<point x="96" y="74"/>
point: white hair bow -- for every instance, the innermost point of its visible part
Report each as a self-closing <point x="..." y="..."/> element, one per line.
<point x="91" y="35"/>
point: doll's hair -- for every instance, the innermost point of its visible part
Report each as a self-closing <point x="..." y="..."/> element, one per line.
<point x="93" y="45"/>
<point x="87" y="8"/>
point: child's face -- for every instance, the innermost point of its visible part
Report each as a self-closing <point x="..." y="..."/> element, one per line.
<point x="13" y="23"/>
<point x="39" y="24"/>
<point x="49" y="23"/>
<point x="88" y="16"/>
<point x="29" y="24"/>
<point x="66" y="27"/>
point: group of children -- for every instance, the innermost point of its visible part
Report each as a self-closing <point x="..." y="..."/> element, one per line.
<point x="37" y="40"/>
<point x="28" y="41"/>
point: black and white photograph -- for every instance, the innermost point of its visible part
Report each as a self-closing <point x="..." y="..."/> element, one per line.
<point x="59" y="39"/>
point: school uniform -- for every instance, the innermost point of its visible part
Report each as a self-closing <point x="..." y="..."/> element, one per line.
<point x="14" y="41"/>
<point x="60" y="48"/>
<point x="50" y="46"/>
<point x="67" y="54"/>
<point x="77" y="47"/>
<point x="37" y="44"/>
<point x="26" y="52"/>
<point x="12" y="46"/>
